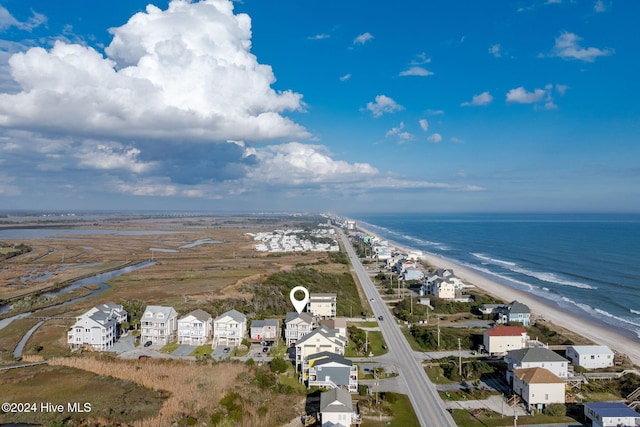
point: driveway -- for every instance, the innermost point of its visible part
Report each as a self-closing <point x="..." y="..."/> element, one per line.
<point x="184" y="350"/>
<point x="219" y="353"/>
<point x="124" y="344"/>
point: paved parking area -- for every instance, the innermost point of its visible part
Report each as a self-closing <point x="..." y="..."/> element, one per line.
<point x="184" y="350"/>
<point x="219" y="353"/>
<point x="125" y="343"/>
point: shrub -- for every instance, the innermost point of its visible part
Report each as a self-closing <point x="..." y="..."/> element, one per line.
<point x="555" y="410"/>
<point x="278" y="365"/>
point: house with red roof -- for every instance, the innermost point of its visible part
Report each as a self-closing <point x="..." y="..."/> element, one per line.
<point x="501" y="339"/>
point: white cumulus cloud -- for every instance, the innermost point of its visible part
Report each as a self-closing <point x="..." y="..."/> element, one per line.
<point x="416" y="71"/>
<point x="435" y="138"/>
<point x="424" y="124"/>
<point x="496" y="50"/>
<point x="567" y="46"/>
<point x="7" y="20"/>
<point x="481" y="99"/>
<point x="186" y="72"/>
<point x="383" y="104"/>
<point x="520" y="95"/>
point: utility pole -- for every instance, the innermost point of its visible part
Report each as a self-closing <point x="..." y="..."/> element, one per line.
<point x="459" y="358"/>
<point x="366" y="341"/>
<point x="438" y="331"/>
<point x="411" y="296"/>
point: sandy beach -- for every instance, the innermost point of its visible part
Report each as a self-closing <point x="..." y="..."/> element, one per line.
<point x="581" y="325"/>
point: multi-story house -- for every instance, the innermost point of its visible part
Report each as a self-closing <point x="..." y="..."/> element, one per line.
<point x="501" y="339"/>
<point x="319" y="340"/>
<point x="98" y="327"/>
<point x="267" y="330"/>
<point x="229" y="328"/>
<point x="538" y="387"/>
<point x="330" y="370"/>
<point x="297" y="326"/>
<point x="195" y="328"/>
<point x="158" y="324"/>
<point x="322" y="306"/>
<point x="338" y="409"/>
<point x="536" y="357"/>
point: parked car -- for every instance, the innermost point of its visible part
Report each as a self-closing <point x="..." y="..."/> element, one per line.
<point x="143" y="357"/>
<point x="148" y="343"/>
<point x="226" y="350"/>
<point x="265" y="349"/>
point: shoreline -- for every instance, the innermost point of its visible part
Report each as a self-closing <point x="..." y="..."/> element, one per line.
<point x="598" y="332"/>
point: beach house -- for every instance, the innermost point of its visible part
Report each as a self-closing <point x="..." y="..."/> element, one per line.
<point x="330" y="370"/>
<point x="158" y="324"/>
<point x="337" y="409"/>
<point x="195" y="328"/>
<point x="538" y="387"/>
<point x="267" y="330"/>
<point x="98" y="328"/>
<point x="590" y="356"/>
<point x="297" y="326"/>
<point x="229" y="328"/>
<point x="319" y="340"/>
<point x="501" y="339"/>
<point x="610" y="414"/>
<point x="322" y="306"/>
<point x="535" y="357"/>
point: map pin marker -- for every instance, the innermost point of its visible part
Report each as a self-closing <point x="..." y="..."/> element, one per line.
<point x="299" y="304"/>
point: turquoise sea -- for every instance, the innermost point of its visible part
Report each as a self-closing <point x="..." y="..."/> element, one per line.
<point x="586" y="264"/>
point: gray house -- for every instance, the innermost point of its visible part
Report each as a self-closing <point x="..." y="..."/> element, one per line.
<point x="330" y="370"/>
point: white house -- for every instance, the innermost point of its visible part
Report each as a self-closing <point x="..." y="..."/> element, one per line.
<point x="195" y="328"/>
<point x="297" y="326"/>
<point x="590" y="356"/>
<point x="339" y="323"/>
<point x="538" y="387"/>
<point x="267" y="330"/>
<point x="337" y="409"/>
<point x="229" y="328"/>
<point x="158" y="324"/>
<point x="98" y="327"/>
<point x="501" y="339"/>
<point x="536" y="357"/>
<point x="319" y="340"/>
<point x="322" y="306"/>
<point x="610" y="414"/>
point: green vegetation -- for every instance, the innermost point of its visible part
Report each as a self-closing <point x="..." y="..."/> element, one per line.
<point x="427" y="337"/>
<point x="279" y="365"/>
<point x="488" y="418"/>
<point x="359" y="338"/>
<point x="394" y="405"/>
<point x="170" y="348"/>
<point x="472" y="369"/>
<point x="8" y="250"/>
<point x="135" y="309"/>
<point x="202" y="351"/>
<point x="404" y="309"/>
<point x="443" y="306"/>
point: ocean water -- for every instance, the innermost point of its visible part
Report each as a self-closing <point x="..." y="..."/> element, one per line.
<point x="586" y="264"/>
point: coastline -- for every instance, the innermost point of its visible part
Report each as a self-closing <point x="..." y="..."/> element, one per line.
<point x="589" y="328"/>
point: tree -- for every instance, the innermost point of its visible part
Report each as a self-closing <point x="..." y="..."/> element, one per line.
<point x="278" y="365"/>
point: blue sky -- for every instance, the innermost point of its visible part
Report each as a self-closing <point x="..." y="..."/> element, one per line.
<point x="347" y="106"/>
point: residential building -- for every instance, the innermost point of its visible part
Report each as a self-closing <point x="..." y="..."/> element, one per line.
<point x="412" y="273"/>
<point x="514" y="312"/>
<point x="339" y="323"/>
<point x="501" y="339"/>
<point x="195" y="328"/>
<point x="442" y="283"/>
<point x="322" y="306"/>
<point x="319" y="340"/>
<point x="590" y="356"/>
<point x="610" y="414"/>
<point x="158" y="324"/>
<point x="229" y="328"/>
<point x="297" y="326"/>
<point x="267" y="330"/>
<point x="337" y="409"/>
<point x="538" y="387"/>
<point x="536" y="357"/>
<point x="330" y="370"/>
<point x="98" y="328"/>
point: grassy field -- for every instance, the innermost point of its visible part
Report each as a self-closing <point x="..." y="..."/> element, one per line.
<point x="376" y="345"/>
<point x="486" y="418"/>
<point x="395" y="410"/>
<point x="118" y="400"/>
<point x="11" y="336"/>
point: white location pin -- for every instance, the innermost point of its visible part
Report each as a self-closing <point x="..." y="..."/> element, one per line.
<point x="302" y="303"/>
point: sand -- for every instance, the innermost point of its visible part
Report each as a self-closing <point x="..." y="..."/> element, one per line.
<point x="600" y="334"/>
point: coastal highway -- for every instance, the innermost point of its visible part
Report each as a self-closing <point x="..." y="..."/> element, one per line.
<point x="428" y="406"/>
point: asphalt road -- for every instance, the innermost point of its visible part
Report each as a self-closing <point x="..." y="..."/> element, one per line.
<point x="428" y="406"/>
